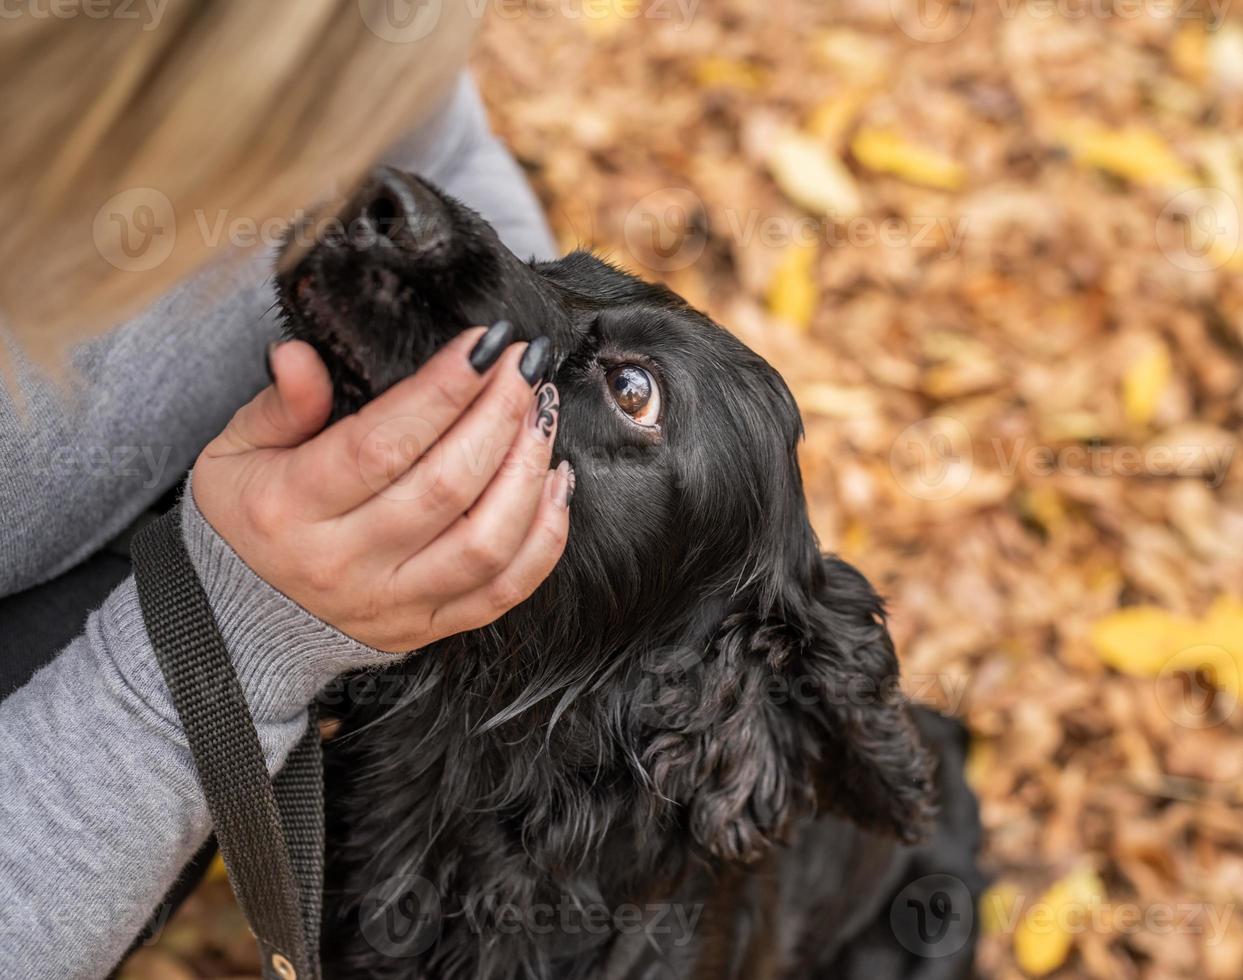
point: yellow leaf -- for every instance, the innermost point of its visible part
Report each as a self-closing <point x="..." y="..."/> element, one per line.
<point x="728" y="73"/>
<point x="1044" y="938"/>
<point x="216" y="870"/>
<point x="855" y="540"/>
<point x="861" y="58"/>
<point x="1139" y="640"/>
<point x="1044" y="505"/>
<point x="831" y="119"/>
<point x="1144" y="641"/>
<point x="1216" y="641"/>
<point x="1134" y="153"/>
<point x="981" y="760"/>
<point x="1145" y="382"/>
<point x="888" y="151"/>
<point x="1072" y="426"/>
<point x="997" y="908"/>
<point x="605" y="17"/>
<point x="810" y="176"/>
<point x="1189" y="51"/>
<point x="792" y="291"/>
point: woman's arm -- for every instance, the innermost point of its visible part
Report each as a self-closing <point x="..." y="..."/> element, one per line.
<point x="81" y="461"/>
<point x="99" y="800"/>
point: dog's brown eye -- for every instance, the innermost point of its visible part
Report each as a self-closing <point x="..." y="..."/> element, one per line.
<point x="636" y="393"/>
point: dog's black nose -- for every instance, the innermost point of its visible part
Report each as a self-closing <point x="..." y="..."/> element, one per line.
<point x="397" y="209"/>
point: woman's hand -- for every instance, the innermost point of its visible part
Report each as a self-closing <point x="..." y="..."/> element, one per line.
<point x="429" y="512"/>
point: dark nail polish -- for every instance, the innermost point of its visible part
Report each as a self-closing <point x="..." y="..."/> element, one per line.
<point x="535" y="359"/>
<point x="267" y="360"/>
<point x="491" y="345"/>
<point x="545" y="410"/>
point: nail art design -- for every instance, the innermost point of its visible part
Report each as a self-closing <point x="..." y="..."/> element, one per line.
<point x="535" y="359"/>
<point x="547" y="407"/>
<point x="491" y="345"/>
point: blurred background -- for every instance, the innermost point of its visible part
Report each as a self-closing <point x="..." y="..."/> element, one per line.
<point x="995" y="250"/>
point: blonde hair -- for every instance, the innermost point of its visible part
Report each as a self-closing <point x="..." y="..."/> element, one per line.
<point x="120" y="129"/>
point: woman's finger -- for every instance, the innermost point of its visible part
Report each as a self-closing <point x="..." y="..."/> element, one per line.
<point x="285" y="414"/>
<point x="540" y="551"/>
<point x="408" y="514"/>
<point x="366" y="453"/>
<point x="483" y="542"/>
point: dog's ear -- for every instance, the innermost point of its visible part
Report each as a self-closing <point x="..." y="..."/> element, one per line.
<point x="783" y="715"/>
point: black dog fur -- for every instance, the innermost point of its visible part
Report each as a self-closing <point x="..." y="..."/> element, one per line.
<point x="694" y="722"/>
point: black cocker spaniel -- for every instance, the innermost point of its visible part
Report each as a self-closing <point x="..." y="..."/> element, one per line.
<point x="687" y="755"/>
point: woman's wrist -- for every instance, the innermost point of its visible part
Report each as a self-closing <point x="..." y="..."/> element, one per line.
<point x="283" y="654"/>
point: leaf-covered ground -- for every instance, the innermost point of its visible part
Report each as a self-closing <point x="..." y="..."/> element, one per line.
<point x="995" y="250"/>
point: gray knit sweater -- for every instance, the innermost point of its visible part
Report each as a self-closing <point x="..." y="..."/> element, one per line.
<point x="99" y="804"/>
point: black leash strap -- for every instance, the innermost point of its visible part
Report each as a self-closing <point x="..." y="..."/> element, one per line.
<point x="272" y="839"/>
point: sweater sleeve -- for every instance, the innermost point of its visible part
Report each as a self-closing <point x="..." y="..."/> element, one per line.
<point x="99" y="799"/>
<point x="82" y="456"/>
